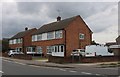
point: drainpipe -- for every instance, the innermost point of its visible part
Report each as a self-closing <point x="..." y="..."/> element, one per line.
<point x="65" y="43"/>
<point x="23" y="46"/>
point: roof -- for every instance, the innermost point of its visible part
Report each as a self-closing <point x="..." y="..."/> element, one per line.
<point x="114" y="46"/>
<point x="22" y="34"/>
<point x="111" y="43"/>
<point x="58" y="25"/>
<point x="118" y="38"/>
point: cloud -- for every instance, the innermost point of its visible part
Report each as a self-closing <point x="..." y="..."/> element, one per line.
<point x="99" y="16"/>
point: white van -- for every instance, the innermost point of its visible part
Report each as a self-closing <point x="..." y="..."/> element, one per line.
<point x="97" y="50"/>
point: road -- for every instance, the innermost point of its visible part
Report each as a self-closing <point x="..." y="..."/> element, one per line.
<point x="15" y="68"/>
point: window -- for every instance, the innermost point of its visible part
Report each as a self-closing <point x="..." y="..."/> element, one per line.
<point x="50" y="35"/>
<point x="39" y="49"/>
<point x="19" y="49"/>
<point x="48" y="50"/>
<point x="39" y="37"/>
<point x="34" y="38"/>
<point x="44" y="36"/>
<point x="14" y="41"/>
<point x="30" y="49"/>
<point x="58" y="34"/>
<point x="10" y="41"/>
<point x="20" y="40"/>
<point x="62" y="48"/>
<point x="81" y="36"/>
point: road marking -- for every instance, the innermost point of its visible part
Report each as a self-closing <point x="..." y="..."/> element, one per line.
<point x="7" y="60"/>
<point x="110" y="69"/>
<point x="86" y="73"/>
<point x="97" y="74"/>
<point x="62" y="69"/>
<point x="1" y="72"/>
<point x="20" y="63"/>
<point x="72" y="71"/>
<point x="15" y="62"/>
<point x="33" y="65"/>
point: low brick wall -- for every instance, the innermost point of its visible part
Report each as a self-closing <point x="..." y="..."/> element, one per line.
<point x="100" y="59"/>
<point x="4" y="54"/>
<point x="20" y="56"/>
<point x="25" y="57"/>
<point x="83" y="59"/>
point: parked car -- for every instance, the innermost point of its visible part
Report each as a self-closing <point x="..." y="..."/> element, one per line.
<point x="14" y="52"/>
<point x="78" y="52"/>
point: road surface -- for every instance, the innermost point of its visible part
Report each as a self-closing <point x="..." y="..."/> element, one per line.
<point x="15" y="68"/>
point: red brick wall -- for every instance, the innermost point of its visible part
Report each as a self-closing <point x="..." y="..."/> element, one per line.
<point x="13" y="46"/>
<point x="72" y="36"/>
<point x="26" y="41"/>
<point x="84" y="59"/>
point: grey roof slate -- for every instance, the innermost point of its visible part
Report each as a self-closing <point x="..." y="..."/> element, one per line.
<point x="58" y="25"/>
<point x="22" y="34"/>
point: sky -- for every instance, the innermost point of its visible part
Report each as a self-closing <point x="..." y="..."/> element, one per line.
<point x="101" y="16"/>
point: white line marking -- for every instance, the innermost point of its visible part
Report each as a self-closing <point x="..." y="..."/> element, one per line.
<point x="97" y="74"/>
<point x="72" y="71"/>
<point x="33" y="65"/>
<point x="86" y="73"/>
<point x="7" y="60"/>
<point x="20" y="63"/>
<point x="1" y="72"/>
<point x="62" y="69"/>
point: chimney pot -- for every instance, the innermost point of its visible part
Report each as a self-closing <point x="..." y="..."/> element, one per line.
<point x="26" y="28"/>
<point x="58" y="18"/>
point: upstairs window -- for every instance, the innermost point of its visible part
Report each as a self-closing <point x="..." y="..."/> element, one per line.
<point x="58" y="34"/>
<point x="14" y="41"/>
<point x="81" y="36"/>
<point x="34" y="38"/>
<point x="39" y="37"/>
<point x="20" y="40"/>
<point x="50" y="35"/>
<point x="10" y="41"/>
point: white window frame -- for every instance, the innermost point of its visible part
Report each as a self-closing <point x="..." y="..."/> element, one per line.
<point x="83" y="36"/>
<point x="44" y="36"/>
<point x="34" y="37"/>
<point x="58" y="34"/>
<point x="39" y="48"/>
<point x="18" y="49"/>
<point x="50" y="35"/>
<point x="39" y="37"/>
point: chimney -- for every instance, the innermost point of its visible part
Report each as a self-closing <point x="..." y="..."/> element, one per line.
<point x="58" y="18"/>
<point x="26" y="28"/>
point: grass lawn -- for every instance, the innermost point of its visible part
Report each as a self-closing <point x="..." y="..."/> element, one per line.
<point x="39" y="58"/>
<point x="115" y="64"/>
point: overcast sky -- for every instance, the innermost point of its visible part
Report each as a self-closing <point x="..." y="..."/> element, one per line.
<point x="101" y="17"/>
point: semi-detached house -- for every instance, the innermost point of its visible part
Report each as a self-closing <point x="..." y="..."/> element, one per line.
<point x="22" y="40"/>
<point x="60" y="38"/>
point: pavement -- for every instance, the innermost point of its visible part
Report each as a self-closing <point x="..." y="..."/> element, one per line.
<point x="45" y="63"/>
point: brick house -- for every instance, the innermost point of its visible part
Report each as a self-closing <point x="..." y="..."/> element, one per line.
<point x="21" y="40"/>
<point x="116" y="47"/>
<point x="60" y="38"/>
